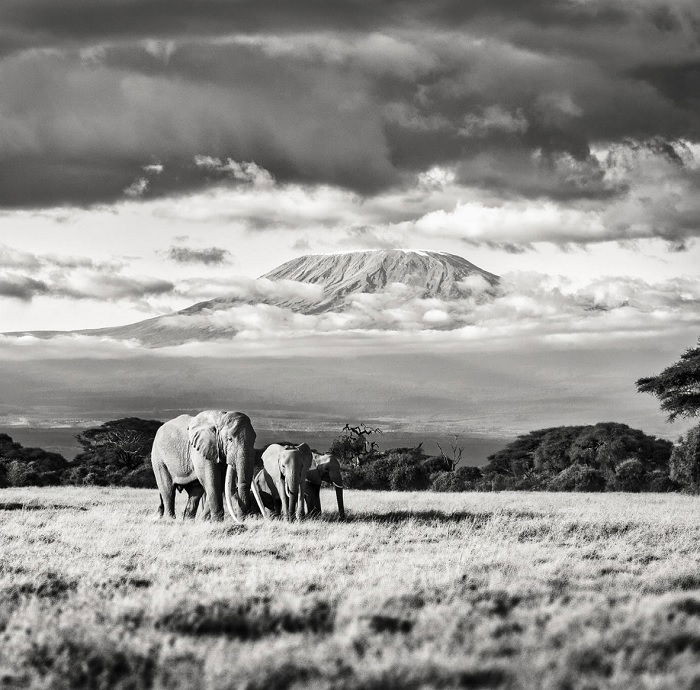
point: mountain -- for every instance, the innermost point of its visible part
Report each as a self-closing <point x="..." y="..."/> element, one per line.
<point x="426" y="274"/>
<point x="332" y="281"/>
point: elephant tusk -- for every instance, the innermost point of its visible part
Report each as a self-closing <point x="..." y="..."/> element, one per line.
<point x="228" y="483"/>
<point x="258" y="497"/>
<point x="338" y="486"/>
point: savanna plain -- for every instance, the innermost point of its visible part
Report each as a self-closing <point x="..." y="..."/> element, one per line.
<point x="513" y="590"/>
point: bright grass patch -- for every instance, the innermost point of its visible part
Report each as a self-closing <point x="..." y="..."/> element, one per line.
<point x="414" y="590"/>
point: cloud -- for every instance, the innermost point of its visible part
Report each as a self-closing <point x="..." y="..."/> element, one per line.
<point x="356" y="96"/>
<point x="27" y="275"/>
<point x="21" y="287"/>
<point x="241" y="288"/>
<point x="97" y="285"/>
<point x="209" y="255"/>
<point x="246" y="171"/>
<point x="530" y="312"/>
<point x="137" y="188"/>
<point x="524" y="305"/>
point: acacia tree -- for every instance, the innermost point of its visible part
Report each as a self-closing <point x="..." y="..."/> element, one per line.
<point x="354" y="446"/>
<point x="677" y="386"/>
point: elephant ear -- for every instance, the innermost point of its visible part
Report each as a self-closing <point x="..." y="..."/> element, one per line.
<point x="307" y="453"/>
<point x="203" y="438"/>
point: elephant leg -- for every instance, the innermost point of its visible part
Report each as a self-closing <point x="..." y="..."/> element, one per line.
<point x="313" y="499"/>
<point x="160" y="507"/>
<point x="195" y="491"/>
<point x="214" y="486"/>
<point x="166" y="489"/>
<point x="206" y="512"/>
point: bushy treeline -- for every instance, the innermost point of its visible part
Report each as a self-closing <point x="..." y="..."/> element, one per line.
<point x="21" y="466"/>
<point x="600" y="457"/>
<point x="117" y="453"/>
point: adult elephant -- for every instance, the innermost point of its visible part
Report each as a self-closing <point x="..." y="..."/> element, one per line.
<point x="280" y="484"/>
<point x="324" y="468"/>
<point x="214" y="449"/>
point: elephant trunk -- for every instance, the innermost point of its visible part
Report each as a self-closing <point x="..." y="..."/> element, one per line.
<point x="341" y="506"/>
<point x="235" y="512"/>
<point x="293" y="495"/>
<point x="241" y="461"/>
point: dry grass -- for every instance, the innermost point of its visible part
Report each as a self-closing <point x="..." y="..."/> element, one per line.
<point x="413" y="591"/>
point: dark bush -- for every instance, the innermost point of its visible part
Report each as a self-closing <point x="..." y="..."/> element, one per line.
<point x="660" y="482"/>
<point x="630" y="475"/>
<point x="578" y="478"/>
<point x="437" y="463"/>
<point x="462" y="479"/>
<point x="408" y="476"/>
<point x="21" y="466"/>
<point x="400" y="469"/>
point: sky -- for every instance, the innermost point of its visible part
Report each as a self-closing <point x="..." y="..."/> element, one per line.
<point x="157" y="153"/>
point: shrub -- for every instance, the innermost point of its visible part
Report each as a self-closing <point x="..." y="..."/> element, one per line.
<point x="408" y="476"/>
<point x="660" y="482"/>
<point x="630" y="475"/>
<point x="437" y="463"/>
<point x="578" y="478"/>
<point x="21" y="466"/>
<point x="400" y="469"/>
<point x="462" y="479"/>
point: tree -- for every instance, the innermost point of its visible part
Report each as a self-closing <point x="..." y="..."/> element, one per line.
<point x="545" y="458"/>
<point x="457" y="452"/>
<point x="353" y="446"/>
<point x="116" y="453"/>
<point x="677" y="386"/>
<point x="685" y="461"/>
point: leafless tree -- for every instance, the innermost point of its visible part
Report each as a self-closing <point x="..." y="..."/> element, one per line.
<point x="456" y="453"/>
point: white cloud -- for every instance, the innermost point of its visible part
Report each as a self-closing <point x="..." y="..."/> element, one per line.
<point x="137" y="188"/>
<point x="244" y="171"/>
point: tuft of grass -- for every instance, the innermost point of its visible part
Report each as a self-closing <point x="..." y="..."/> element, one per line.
<point x="251" y="618"/>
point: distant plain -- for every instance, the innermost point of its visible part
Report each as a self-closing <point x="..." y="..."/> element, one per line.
<point x="476" y="447"/>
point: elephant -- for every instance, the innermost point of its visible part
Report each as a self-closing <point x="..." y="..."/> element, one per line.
<point x="192" y="452"/>
<point x="325" y="468"/>
<point x="280" y="483"/>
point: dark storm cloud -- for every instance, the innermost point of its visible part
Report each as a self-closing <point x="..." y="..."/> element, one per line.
<point x="364" y="95"/>
<point x="43" y="20"/>
<point x="189" y="255"/>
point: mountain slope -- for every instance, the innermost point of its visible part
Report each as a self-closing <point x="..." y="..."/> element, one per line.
<point x="333" y="280"/>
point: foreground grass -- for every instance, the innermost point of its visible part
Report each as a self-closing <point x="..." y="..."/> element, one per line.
<point x="413" y="591"/>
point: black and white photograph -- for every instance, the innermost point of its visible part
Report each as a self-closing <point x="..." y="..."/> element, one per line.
<point x="349" y="344"/>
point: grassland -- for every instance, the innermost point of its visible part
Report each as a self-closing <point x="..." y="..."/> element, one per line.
<point x="413" y="591"/>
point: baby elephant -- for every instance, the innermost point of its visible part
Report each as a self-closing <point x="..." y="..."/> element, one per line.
<point x="323" y="469"/>
<point x="279" y="486"/>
